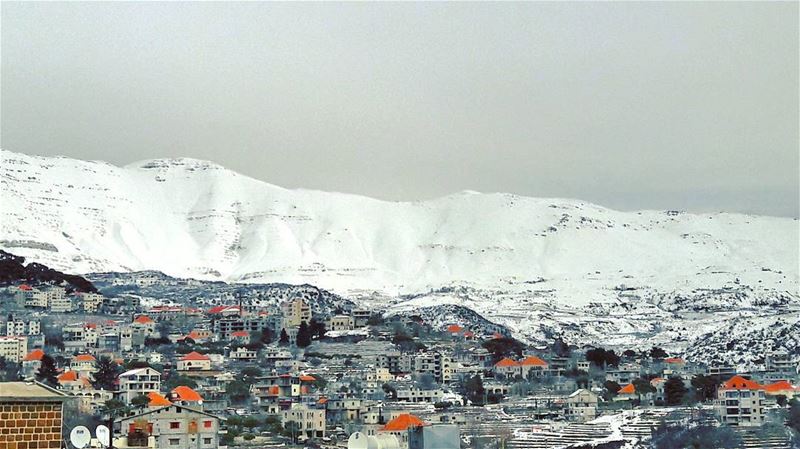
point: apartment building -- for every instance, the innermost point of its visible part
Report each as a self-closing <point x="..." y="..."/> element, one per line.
<point x="310" y="422"/>
<point x="740" y="402"/>
<point x="171" y="426"/>
<point x="13" y="349"/>
<point x="135" y="382"/>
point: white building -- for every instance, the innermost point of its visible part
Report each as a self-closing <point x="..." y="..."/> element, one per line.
<point x="340" y="323"/>
<point x="20" y="328"/>
<point x="139" y="381"/>
<point x="310" y="421"/>
<point x="13" y="349"/>
<point x="581" y="406"/>
<point x="740" y="402"/>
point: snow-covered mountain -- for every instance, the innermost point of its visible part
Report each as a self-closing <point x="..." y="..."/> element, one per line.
<point x="192" y="218"/>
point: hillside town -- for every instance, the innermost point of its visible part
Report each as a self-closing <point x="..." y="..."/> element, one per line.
<point x="237" y="375"/>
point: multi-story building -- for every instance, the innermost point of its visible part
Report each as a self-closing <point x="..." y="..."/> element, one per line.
<point x="172" y="426"/>
<point x="90" y="302"/>
<point x="309" y="421"/>
<point x="144" y="325"/>
<point x="740" y="402"/>
<point x="13" y="349"/>
<point x="295" y="311"/>
<point x="31" y="363"/>
<point x="581" y="406"/>
<point x="20" y="328"/>
<point x="225" y="327"/>
<point x="85" y="364"/>
<point x="360" y="317"/>
<point x="194" y="361"/>
<point x="416" y="394"/>
<point x="242" y="354"/>
<point x="139" y="381"/>
<point x="340" y="323"/>
<point x="58" y="301"/>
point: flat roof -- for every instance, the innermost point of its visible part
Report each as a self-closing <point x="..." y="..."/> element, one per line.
<point x="29" y="391"/>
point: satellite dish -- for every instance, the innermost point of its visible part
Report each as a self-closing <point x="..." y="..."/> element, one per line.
<point x="103" y="435"/>
<point x="80" y="436"/>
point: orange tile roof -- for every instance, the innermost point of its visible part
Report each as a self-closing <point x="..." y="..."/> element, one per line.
<point x="194" y="356"/>
<point x="36" y="354"/>
<point x="156" y="400"/>
<point x="84" y="358"/>
<point x="322" y="401"/>
<point x="143" y="319"/>
<point x="740" y="383"/>
<point x="656" y="380"/>
<point x="68" y="376"/>
<point x="674" y="360"/>
<point x="196" y="335"/>
<point x="778" y="386"/>
<point x="506" y="363"/>
<point x="533" y="361"/>
<point x="627" y="389"/>
<point x="306" y="378"/>
<point x="402" y="423"/>
<point x="454" y="328"/>
<point x="240" y="334"/>
<point x="184" y="393"/>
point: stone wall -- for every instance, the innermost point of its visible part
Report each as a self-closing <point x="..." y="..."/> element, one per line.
<point x="30" y="425"/>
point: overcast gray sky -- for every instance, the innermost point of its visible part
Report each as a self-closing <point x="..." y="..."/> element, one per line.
<point x="631" y="105"/>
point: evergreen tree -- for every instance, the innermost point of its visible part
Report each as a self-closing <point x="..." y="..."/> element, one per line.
<point x="106" y="374"/>
<point x="140" y="401"/>
<point x="317" y="328"/>
<point x="284" y="339"/>
<point x="303" y="335"/>
<point x="474" y="390"/>
<point x="674" y="391"/>
<point x="47" y="371"/>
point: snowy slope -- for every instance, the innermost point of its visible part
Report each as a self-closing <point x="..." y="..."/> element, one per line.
<point x="192" y="218"/>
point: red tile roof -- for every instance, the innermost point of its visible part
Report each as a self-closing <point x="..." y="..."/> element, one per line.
<point x="740" y="383"/>
<point x="143" y="319"/>
<point x="84" y="358"/>
<point x="156" y="400"/>
<point x="68" y="376"/>
<point x="36" y="354"/>
<point x="183" y="393"/>
<point x="25" y="287"/>
<point x="454" y="328"/>
<point x="402" y="423"/>
<point x="240" y="334"/>
<point x="674" y="360"/>
<point x="627" y="389"/>
<point x="194" y="356"/>
<point x="506" y="363"/>
<point x="533" y="361"/>
<point x="779" y="386"/>
<point x="306" y="378"/>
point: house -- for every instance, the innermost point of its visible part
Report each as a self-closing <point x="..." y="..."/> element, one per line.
<point x="183" y="395"/>
<point x="145" y="325"/>
<point x="400" y="426"/>
<point x="740" y="402"/>
<point x="658" y="383"/>
<point x="626" y="393"/>
<point x="581" y="406"/>
<point x="243" y="354"/>
<point x="241" y="337"/>
<point x="340" y="323"/>
<point x="310" y="421"/>
<point x="194" y="361"/>
<point x="171" y="426"/>
<point x="139" y="381"/>
<point x="532" y="366"/>
<point x="508" y="367"/>
<point x="84" y="364"/>
<point x="31" y="363"/>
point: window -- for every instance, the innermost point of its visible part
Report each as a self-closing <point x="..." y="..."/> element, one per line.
<point x="207" y="441"/>
<point x="207" y="424"/>
<point x="174" y="441"/>
<point x="175" y="425"/>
